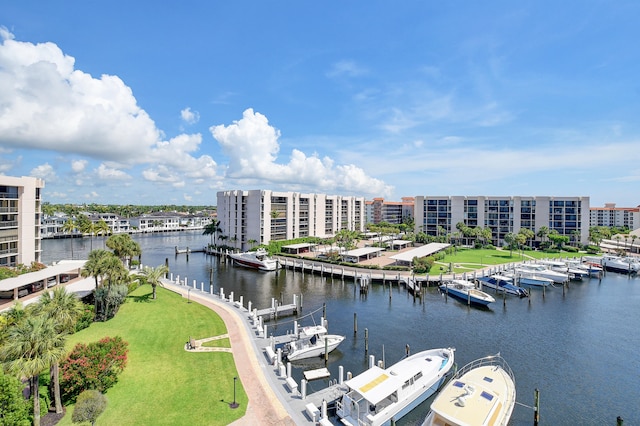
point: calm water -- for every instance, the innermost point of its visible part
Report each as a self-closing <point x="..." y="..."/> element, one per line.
<point x="580" y="350"/>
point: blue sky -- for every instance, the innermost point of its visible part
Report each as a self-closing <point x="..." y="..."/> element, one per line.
<point x="153" y="103"/>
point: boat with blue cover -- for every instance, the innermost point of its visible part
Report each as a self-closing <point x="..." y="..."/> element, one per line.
<point x="502" y="283"/>
<point x="467" y="292"/>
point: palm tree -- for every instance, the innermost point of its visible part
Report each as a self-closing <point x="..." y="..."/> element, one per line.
<point x="70" y="226"/>
<point x="63" y="309"/>
<point x="102" y="228"/>
<point x="154" y="276"/>
<point x="95" y="267"/>
<point x="90" y="228"/>
<point x="123" y="247"/>
<point x="212" y="229"/>
<point x="543" y="232"/>
<point x="252" y="242"/>
<point x="32" y="346"/>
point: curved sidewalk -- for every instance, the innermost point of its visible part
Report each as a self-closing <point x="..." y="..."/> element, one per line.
<point x="264" y="407"/>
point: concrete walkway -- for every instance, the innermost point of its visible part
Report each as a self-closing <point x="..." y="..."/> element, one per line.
<point x="264" y="407"/>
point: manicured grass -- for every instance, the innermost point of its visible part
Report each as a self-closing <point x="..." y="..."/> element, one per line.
<point x="471" y="259"/>
<point x="162" y="383"/>
<point x="222" y="343"/>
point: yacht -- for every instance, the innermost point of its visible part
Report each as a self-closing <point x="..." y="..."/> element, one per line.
<point x="382" y="396"/>
<point x="542" y="271"/>
<point x="482" y="393"/>
<point x="258" y="259"/>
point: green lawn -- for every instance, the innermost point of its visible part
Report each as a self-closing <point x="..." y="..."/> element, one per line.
<point x="162" y="383"/>
<point x="466" y="260"/>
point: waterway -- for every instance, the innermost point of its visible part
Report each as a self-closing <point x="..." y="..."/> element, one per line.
<point x="580" y="348"/>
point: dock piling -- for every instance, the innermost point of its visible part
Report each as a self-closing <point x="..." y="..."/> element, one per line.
<point x="355" y="323"/>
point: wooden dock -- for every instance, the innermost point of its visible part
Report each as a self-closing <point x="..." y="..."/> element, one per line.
<point x="277" y="310"/>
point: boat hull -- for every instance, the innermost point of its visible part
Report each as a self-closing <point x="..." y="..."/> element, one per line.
<point x="473" y="296"/>
<point x="333" y="341"/>
<point x="503" y="286"/>
<point x="248" y="261"/>
<point x="361" y="409"/>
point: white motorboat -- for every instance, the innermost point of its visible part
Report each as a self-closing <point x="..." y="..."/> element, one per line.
<point x="482" y="393"/>
<point x="529" y="279"/>
<point x="258" y="259"/>
<point x="382" y="396"/>
<point x="542" y="271"/>
<point x="575" y="274"/>
<point x="466" y="291"/>
<point x="625" y="265"/>
<point x="312" y="341"/>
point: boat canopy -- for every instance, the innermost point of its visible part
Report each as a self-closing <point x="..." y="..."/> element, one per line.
<point x="375" y="384"/>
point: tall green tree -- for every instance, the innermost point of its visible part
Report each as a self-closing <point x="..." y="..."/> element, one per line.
<point x="69" y="227"/>
<point x="153" y="276"/>
<point x="124" y="247"/>
<point x="213" y="228"/>
<point x="63" y="309"/>
<point x="33" y="345"/>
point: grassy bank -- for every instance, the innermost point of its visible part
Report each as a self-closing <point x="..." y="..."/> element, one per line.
<point x="162" y="383"/>
<point x="466" y="260"/>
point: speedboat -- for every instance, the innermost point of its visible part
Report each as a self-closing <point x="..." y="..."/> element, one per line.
<point x="542" y="271"/>
<point x="258" y="259"/>
<point x="575" y="274"/>
<point x="466" y="291"/>
<point x="311" y="341"/>
<point x="590" y="268"/>
<point x="503" y="283"/>
<point x="482" y="393"/>
<point x="382" y="396"/>
<point x="625" y="265"/>
<point x="529" y="279"/>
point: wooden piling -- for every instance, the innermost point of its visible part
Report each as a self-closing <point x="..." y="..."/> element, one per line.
<point x="366" y="341"/>
<point x="355" y="323"/>
<point x="536" y="407"/>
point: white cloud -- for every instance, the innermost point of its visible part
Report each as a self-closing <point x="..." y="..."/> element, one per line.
<point x="252" y="146"/>
<point x="44" y="171"/>
<point x="107" y="173"/>
<point x="50" y="105"/>
<point x="190" y="117"/>
<point x="78" y="165"/>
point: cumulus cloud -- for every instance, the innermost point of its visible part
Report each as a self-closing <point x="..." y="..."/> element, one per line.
<point x="78" y="165"/>
<point x="44" y="171"/>
<point x="189" y="117"/>
<point x="48" y="104"/>
<point x="108" y="173"/>
<point x="252" y="146"/>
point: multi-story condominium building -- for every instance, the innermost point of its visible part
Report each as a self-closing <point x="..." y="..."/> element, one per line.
<point x="116" y="224"/>
<point x="20" y="211"/>
<point x="394" y="212"/>
<point x="259" y="216"/>
<point x="166" y="221"/>
<point x="567" y="215"/>
<point x="610" y="215"/>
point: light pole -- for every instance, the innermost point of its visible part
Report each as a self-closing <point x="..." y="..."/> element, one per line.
<point x="234" y="404"/>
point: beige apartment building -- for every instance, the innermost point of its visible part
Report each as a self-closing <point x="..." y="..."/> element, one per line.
<point x="249" y="218"/>
<point x="610" y="215"/>
<point x="504" y="214"/>
<point x="20" y="216"/>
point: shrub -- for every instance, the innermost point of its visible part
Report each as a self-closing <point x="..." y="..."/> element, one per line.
<point x="86" y="318"/>
<point x="93" y="366"/>
<point x="14" y="409"/>
<point x="90" y="405"/>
